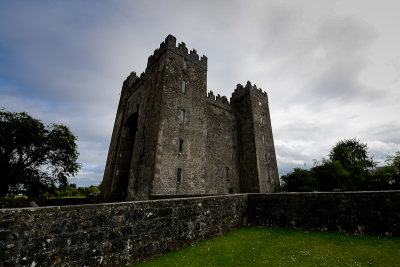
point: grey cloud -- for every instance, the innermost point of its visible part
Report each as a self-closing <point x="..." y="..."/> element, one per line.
<point x="387" y="132"/>
<point x="322" y="52"/>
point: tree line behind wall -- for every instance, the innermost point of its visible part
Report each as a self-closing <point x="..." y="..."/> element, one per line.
<point x="348" y="168"/>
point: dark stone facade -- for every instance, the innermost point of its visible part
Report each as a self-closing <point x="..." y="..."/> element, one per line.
<point x="171" y="138"/>
<point x="116" y="234"/>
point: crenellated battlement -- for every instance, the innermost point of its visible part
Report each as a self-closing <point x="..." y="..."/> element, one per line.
<point x="131" y="79"/>
<point x="129" y="84"/>
<point x="170" y="45"/>
<point x="221" y="101"/>
<point x="132" y="83"/>
<point x="249" y="88"/>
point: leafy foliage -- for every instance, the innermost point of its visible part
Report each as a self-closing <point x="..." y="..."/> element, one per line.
<point x="71" y="190"/>
<point x="388" y="177"/>
<point x="352" y="154"/>
<point x="331" y="175"/>
<point x="299" y="180"/>
<point x="34" y="157"/>
<point x="354" y="157"/>
<point x="348" y="168"/>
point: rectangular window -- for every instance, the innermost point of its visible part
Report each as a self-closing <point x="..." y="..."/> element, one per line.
<point x="184" y="85"/>
<point x="228" y="174"/>
<point x="234" y="138"/>
<point x="184" y="64"/>
<point x="263" y="139"/>
<point x="180" y="145"/>
<point x="179" y="176"/>
<point x="182" y="114"/>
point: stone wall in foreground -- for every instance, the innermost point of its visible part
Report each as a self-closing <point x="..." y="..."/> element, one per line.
<point x="115" y="234"/>
<point x="375" y="212"/>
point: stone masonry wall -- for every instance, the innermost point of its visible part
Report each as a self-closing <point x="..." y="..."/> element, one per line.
<point x="222" y="166"/>
<point x="357" y="212"/>
<point x="115" y="234"/>
<point x="247" y="153"/>
<point x="190" y="129"/>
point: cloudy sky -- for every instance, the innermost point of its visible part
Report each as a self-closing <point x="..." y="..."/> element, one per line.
<point x="331" y="68"/>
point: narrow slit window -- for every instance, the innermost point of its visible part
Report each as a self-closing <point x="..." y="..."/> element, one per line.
<point x="184" y="86"/>
<point x="184" y="64"/>
<point x="268" y="177"/>
<point x="263" y="139"/>
<point x="180" y="145"/>
<point x="179" y="176"/>
<point x="182" y="114"/>
<point x="228" y="173"/>
<point x="234" y="138"/>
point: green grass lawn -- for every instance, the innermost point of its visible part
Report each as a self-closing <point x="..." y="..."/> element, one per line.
<point x="285" y="247"/>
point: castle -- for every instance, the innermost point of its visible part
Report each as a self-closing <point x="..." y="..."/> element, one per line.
<point x="171" y="138"/>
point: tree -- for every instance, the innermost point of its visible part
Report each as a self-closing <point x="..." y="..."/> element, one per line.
<point x="346" y="169"/>
<point x="34" y="157"/>
<point x="382" y="178"/>
<point x="394" y="163"/>
<point x="299" y="180"/>
<point x="71" y="190"/>
<point x="388" y="177"/>
<point x="351" y="153"/>
<point x="330" y="175"/>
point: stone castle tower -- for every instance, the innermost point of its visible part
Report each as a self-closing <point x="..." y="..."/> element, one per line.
<point x="171" y="138"/>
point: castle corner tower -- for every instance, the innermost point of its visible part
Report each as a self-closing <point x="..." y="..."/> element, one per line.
<point x="257" y="159"/>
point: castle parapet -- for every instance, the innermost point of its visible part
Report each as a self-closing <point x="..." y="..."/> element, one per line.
<point x="131" y="84"/>
<point x="130" y="80"/>
<point x="211" y="95"/>
<point x="170" y="45"/>
<point x="249" y="88"/>
<point x="128" y="84"/>
<point x="221" y="101"/>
